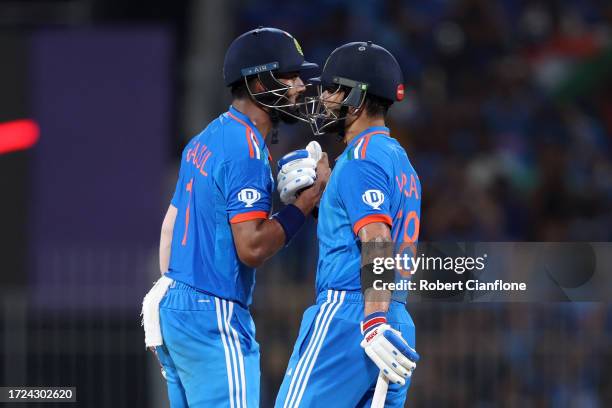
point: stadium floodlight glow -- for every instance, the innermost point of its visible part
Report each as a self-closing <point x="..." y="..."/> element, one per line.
<point x="17" y="135"/>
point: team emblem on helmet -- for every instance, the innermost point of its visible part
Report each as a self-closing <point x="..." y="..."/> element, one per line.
<point x="399" y="93"/>
<point x="297" y="46"/>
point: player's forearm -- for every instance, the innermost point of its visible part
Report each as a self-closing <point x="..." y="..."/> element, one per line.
<point x="307" y="203"/>
<point x="376" y="243"/>
<point x="165" y="240"/>
<point x="376" y="301"/>
<point x="261" y="242"/>
<point x="165" y="244"/>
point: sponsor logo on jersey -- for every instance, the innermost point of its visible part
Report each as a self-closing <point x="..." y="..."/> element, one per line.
<point x="249" y="196"/>
<point x="373" y="198"/>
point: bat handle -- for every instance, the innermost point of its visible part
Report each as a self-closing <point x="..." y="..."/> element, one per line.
<point x="380" y="392"/>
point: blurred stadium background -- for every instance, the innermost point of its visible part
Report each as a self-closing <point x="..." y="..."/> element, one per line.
<point x="508" y="121"/>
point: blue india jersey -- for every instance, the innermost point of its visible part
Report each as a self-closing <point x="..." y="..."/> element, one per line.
<point x="224" y="178"/>
<point x="372" y="181"/>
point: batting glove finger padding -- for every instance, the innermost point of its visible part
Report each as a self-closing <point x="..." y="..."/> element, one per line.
<point x="297" y="171"/>
<point x="384" y="366"/>
<point x="314" y="150"/>
<point x="296" y="181"/>
<point x="396" y="345"/>
<point x="292" y="177"/>
<point x="388" y="350"/>
<point x="304" y="163"/>
<point x="385" y="355"/>
<point x="389" y="355"/>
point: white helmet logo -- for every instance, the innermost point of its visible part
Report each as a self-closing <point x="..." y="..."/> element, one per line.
<point x="249" y="196"/>
<point x="373" y="198"/>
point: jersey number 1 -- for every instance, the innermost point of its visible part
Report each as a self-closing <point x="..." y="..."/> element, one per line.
<point x="189" y="189"/>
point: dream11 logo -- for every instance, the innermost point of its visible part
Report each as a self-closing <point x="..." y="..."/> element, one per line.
<point x="373" y="198"/>
<point x="249" y="196"/>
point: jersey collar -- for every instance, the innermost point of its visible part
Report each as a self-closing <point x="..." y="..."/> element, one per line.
<point x="245" y="119"/>
<point x="357" y="139"/>
<point x="371" y="129"/>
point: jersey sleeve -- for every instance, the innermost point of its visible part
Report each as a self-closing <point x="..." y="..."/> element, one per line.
<point x="364" y="190"/>
<point x="247" y="189"/>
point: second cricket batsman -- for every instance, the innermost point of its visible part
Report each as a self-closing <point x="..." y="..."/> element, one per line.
<point x="353" y="333"/>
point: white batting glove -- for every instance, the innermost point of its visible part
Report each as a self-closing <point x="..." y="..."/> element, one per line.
<point x="387" y="348"/>
<point x="297" y="171"/>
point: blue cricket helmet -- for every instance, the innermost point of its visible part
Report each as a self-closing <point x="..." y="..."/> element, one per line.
<point x="261" y="50"/>
<point x="366" y="67"/>
<point x="359" y="69"/>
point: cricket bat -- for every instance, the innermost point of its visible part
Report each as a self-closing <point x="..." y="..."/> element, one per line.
<point x="380" y="392"/>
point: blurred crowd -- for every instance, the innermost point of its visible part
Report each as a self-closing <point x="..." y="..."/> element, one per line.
<point x="518" y="356"/>
<point x="508" y="116"/>
<point x="508" y="122"/>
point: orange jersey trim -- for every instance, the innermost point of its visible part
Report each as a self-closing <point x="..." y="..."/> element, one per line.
<point x="248" y="130"/>
<point x="367" y="140"/>
<point x="370" y="219"/>
<point x="248" y="216"/>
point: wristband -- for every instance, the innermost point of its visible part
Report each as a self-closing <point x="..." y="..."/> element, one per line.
<point x="372" y="321"/>
<point x="291" y="219"/>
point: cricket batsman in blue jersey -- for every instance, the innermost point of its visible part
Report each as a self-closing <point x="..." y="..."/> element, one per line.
<point x="219" y="228"/>
<point x="354" y="333"/>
